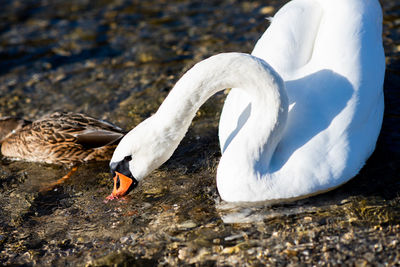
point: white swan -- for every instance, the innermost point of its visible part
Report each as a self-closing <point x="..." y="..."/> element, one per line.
<point x="302" y="134"/>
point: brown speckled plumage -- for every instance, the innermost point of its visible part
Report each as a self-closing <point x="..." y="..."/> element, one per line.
<point x="59" y="138"/>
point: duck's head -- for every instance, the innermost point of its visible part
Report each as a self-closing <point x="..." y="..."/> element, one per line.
<point x="9" y="125"/>
<point x="141" y="151"/>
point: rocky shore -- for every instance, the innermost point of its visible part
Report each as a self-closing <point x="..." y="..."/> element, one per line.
<point x="117" y="60"/>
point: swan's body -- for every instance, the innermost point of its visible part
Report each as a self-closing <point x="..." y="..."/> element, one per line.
<point x="303" y="123"/>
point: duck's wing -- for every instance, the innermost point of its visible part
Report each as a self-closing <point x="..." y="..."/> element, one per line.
<point x="98" y="138"/>
<point x="79" y="128"/>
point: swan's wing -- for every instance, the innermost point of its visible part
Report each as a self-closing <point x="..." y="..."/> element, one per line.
<point x="331" y="57"/>
<point x="288" y="42"/>
<point x="287" y="45"/>
<point x="338" y="101"/>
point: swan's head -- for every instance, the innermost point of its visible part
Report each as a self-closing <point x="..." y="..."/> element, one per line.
<point x="141" y="151"/>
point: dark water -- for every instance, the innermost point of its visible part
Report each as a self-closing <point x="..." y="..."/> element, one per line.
<point x="117" y="60"/>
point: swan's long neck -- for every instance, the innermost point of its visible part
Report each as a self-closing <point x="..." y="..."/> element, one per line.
<point x="250" y="152"/>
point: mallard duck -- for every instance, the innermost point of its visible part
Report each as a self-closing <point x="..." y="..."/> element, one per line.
<point x="59" y="138"/>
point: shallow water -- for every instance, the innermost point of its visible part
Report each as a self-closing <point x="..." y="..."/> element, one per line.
<point x="117" y="60"/>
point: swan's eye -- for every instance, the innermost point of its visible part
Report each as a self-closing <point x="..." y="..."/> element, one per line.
<point x="121" y="166"/>
<point x="128" y="158"/>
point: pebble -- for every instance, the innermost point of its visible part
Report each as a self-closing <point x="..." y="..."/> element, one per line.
<point x="187" y="225"/>
<point x="231" y="250"/>
<point x="124" y="239"/>
<point x="267" y="10"/>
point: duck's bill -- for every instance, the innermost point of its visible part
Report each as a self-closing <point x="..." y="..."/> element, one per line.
<point x="122" y="184"/>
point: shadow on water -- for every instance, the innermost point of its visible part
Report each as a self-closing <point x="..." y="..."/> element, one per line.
<point x="47" y="202"/>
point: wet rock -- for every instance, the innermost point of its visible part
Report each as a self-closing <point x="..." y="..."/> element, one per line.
<point x="187" y="225"/>
<point x="120" y="258"/>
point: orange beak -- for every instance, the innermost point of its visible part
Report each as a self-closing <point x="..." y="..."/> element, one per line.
<point x="124" y="184"/>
